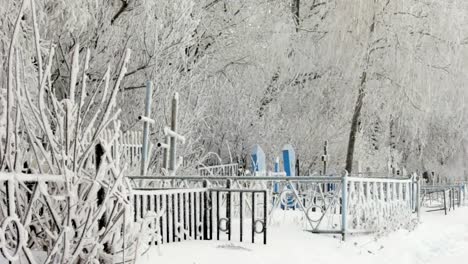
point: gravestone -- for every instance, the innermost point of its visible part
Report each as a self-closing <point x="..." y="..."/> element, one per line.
<point x="258" y="160"/>
<point x="289" y="160"/>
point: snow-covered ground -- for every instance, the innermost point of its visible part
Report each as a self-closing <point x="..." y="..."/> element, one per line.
<point x="437" y="239"/>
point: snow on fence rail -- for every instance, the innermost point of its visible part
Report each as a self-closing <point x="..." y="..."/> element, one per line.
<point x="330" y="204"/>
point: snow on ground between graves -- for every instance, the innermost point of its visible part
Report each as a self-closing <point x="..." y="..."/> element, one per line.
<point x="437" y="239"/>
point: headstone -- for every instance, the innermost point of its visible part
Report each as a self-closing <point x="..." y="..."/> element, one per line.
<point x="258" y="160"/>
<point x="289" y="160"/>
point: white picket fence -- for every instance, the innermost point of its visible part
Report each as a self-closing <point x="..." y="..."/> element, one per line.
<point x="128" y="144"/>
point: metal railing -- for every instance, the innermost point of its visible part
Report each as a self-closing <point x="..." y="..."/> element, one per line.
<point x="443" y="197"/>
<point x="330" y="204"/>
<point x="14" y="225"/>
<point x="199" y="213"/>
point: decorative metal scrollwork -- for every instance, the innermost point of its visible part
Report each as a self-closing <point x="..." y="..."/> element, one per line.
<point x="12" y="230"/>
<point x="259" y="226"/>
<point x="314" y="211"/>
<point x="288" y="198"/>
<point x="223" y="224"/>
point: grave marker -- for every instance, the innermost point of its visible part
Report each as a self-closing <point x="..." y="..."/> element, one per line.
<point x="289" y="160"/>
<point x="258" y="160"/>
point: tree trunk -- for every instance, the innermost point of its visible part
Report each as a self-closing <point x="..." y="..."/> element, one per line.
<point x="355" y="123"/>
<point x="295" y="11"/>
<point x="358" y="106"/>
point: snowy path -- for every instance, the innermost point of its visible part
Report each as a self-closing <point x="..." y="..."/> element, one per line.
<point x="438" y="239"/>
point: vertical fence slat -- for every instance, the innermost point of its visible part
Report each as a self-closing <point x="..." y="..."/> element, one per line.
<point x="265" y="217"/>
<point x="253" y="217"/>
<point x="184" y="210"/>
<point x="167" y="218"/>
<point x="179" y="224"/>
<point x="200" y="222"/>
<point x="190" y="205"/>
<point x="205" y="215"/>
<point x="241" y="213"/>
<point x="173" y="218"/>
<point x="157" y="220"/>
<point x="195" y="224"/>
<point x="211" y="214"/>
<point x="217" y="215"/>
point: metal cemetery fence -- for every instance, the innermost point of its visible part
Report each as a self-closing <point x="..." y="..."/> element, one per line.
<point x="373" y="203"/>
<point x="241" y="208"/>
<point x="329" y="204"/>
<point x="442" y="197"/>
<point x="202" y="213"/>
<point x="15" y="224"/>
<point x="220" y="208"/>
<point x="178" y="214"/>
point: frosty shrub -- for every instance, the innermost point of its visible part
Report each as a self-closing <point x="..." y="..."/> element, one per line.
<point x="86" y="216"/>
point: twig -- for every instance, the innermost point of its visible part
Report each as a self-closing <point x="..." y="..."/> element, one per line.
<point x="10" y="85"/>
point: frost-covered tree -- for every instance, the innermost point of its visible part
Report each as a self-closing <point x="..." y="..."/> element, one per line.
<point x="381" y="80"/>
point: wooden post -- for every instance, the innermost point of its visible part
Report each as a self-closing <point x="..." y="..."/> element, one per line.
<point x="146" y="128"/>
<point x="173" y="140"/>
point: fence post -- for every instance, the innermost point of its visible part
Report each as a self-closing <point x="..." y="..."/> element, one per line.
<point x="445" y="201"/>
<point x="146" y="126"/>
<point x="459" y="196"/>
<point x="344" y="194"/>
<point x="464" y="193"/>
<point x="173" y="140"/>
<point x="412" y="193"/>
<point x="418" y="196"/>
